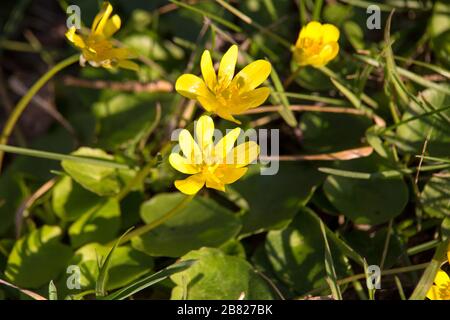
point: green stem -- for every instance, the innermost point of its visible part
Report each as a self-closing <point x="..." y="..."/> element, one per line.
<point x="317" y="10"/>
<point x="302" y="12"/>
<point x="138" y="178"/>
<point x="361" y="276"/>
<point x="330" y="73"/>
<point x="292" y="77"/>
<point x="61" y="157"/>
<point x="22" y="104"/>
<point x="152" y="225"/>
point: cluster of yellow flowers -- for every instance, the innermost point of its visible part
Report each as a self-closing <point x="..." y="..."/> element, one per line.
<point x="223" y="93"/>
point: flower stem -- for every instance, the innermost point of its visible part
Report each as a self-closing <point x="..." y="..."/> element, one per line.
<point x="292" y="77"/>
<point x="138" y="178"/>
<point x="152" y="225"/>
<point x="22" y="104"/>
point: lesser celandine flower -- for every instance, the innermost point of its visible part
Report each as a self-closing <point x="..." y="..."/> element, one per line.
<point x="441" y="288"/>
<point x="222" y="94"/>
<point x="317" y="44"/>
<point x="97" y="47"/>
<point x="215" y="165"/>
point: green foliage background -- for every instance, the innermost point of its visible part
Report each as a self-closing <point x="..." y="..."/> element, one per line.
<point x="269" y="237"/>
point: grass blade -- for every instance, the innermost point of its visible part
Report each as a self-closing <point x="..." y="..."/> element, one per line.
<point x="429" y="274"/>
<point x="212" y="16"/>
<point x="149" y="280"/>
<point x="60" y="157"/>
<point x="329" y="267"/>
<point x="341" y="244"/>
<point x="286" y="113"/>
<point x="103" y="275"/>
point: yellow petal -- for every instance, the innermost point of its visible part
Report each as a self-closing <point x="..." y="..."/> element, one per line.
<point x="300" y="57"/>
<point x="102" y="18"/>
<point x="442" y="278"/>
<point x="433" y="293"/>
<point x="209" y="102"/>
<point x="225" y="114"/>
<point x="189" y="147"/>
<point x="190" y="185"/>
<point x="204" y="132"/>
<point x="215" y="185"/>
<point x="75" y="38"/>
<point x="244" y="154"/>
<point x="330" y="33"/>
<point x="225" y="144"/>
<point x="182" y="164"/>
<point x="227" y="66"/>
<point x="120" y="53"/>
<point x="251" y="99"/>
<point x="112" y="25"/>
<point x="311" y="30"/>
<point x="252" y="75"/>
<point x="191" y="86"/>
<point x="231" y="175"/>
<point x="329" y="52"/>
<point x="208" y="73"/>
<point x="127" y="64"/>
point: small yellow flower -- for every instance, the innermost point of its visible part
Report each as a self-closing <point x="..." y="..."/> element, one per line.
<point x="441" y="288"/>
<point x="212" y="164"/>
<point x="317" y="44"/>
<point x="222" y="94"/>
<point x="97" y="47"/>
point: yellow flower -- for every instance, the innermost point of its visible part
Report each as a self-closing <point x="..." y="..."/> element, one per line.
<point x="317" y="44"/>
<point x="97" y="47"/>
<point x="222" y="94"/>
<point x="212" y="164"/>
<point x="441" y="288"/>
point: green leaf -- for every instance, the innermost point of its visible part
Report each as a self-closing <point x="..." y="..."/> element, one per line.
<point x="126" y="265"/>
<point x="439" y="21"/>
<point x="150" y="280"/>
<point x="37" y="258"/>
<point x="11" y="196"/>
<point x="216" y="275"/>
<point x="273" y="200"/>
<point x="332" y="132"/>
<point x="202" y="222"/>
<point x="434" y="128"/>
<point x="103" y="181"/>
<point x="297" y="253"/>
<point x="371" y="201"/>
<point x="70" y="200"/>
<point x="371" y="246"/>
<point x="354" y="34"/>
<point x="100" y="223"/>
<point x="124" y="119"/>
<point x="52" y="292"/>
<point x="435" y="196"/>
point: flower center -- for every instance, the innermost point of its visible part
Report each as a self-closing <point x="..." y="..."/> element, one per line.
<point x="99" y="46"/>
<point x="224" y="93"/>
<point x="444" y="291"/>
<point x="312" y="46"/>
